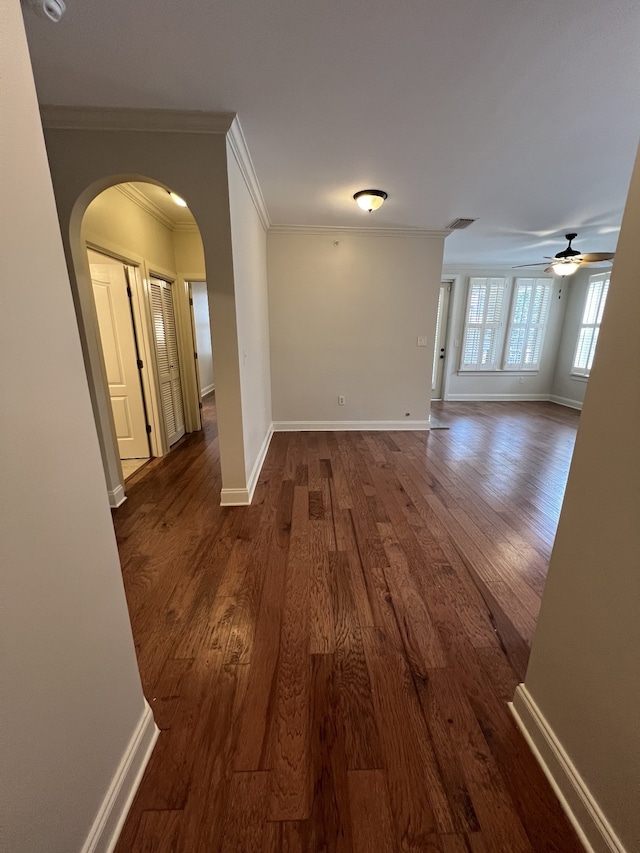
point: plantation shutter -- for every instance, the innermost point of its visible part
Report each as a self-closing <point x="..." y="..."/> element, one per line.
<point x="529" y="315"/>
<point x="590" y="326"/>
<point x="484" y="317"/>
<point x="166" y="342"/>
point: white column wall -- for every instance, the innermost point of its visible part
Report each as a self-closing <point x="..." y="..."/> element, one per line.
<point x="71" y="692"/>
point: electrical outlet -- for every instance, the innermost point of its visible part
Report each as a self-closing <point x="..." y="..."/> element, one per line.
<point x="422" y="341"/>
<point x="341" y="400"/>
<point x="521" y="380"/>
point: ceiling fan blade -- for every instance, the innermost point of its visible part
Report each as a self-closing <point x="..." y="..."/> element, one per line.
<point x="520" y="266"/>
<point x="593" y="257"/>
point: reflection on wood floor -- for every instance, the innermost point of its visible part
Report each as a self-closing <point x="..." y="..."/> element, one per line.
<point x="330" y="667"/>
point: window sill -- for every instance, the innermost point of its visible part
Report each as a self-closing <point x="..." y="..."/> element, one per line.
<point x="579" y="376"/>
<point x="498" y="372"/>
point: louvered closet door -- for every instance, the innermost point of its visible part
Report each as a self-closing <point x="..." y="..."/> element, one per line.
<point x="166" y="339"/>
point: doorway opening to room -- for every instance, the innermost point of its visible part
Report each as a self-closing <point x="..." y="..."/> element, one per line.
<point x="438" y="374"/>
<point x="201" y="329"/>
<point x="148" y="283"/>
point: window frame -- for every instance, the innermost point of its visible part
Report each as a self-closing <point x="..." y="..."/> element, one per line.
<point x="502" y="283"/>
<point x="504" y="327"/>
<point x="538" y="282"/>
<point x="605" y="278"/>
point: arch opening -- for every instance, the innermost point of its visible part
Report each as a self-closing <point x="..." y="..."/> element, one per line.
<point x="136" y="256"/>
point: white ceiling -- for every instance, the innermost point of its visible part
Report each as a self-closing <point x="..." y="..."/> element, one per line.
<point x="522" y="113"/>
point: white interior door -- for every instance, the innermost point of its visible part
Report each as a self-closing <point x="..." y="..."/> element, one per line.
<point x="121" y="359"/>
<point x="166" y="341"/>
<point x="440" y="341"/>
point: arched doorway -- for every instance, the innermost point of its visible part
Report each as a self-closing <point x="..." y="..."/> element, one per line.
<point x="199" y="157"/>
<point x="142" y="258"/>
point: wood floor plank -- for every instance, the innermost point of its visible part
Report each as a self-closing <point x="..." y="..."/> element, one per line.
<point x="371" y="821"/>
<point x="322" y="631"/>
<point x="353" y="695"/>
<point x="290" y="784"/>
<point x="158" y="832"/>
<point x="454" y="728"/>
<point x="245" y="822"/>
<point x="253" y="744"/>
<point x="418" y="801"/>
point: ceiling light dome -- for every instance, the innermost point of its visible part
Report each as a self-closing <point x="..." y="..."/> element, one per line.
<point x="564" y="268"/>
<point x="369" y="199"/>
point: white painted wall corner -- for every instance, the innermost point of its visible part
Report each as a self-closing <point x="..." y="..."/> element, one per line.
<point x="112" y="814"/>
<point x="243" y="497"/>
<point x="566" y="401"/>
<point x="579" y="804"/>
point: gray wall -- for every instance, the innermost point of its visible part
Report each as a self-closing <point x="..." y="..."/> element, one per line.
<point x="72" y="698"/>
<point x="345" y="311"/>
<point x="584" y="671"/>
<point x="565" y="388"/>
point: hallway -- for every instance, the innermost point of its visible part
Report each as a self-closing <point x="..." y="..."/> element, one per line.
<point x="330" y="667"/>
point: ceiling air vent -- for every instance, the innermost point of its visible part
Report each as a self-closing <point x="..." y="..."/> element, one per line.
<point x="459" y="224"/>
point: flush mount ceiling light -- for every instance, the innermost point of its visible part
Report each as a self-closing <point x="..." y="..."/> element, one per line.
<point x="369" y="199"/>
<point x="563" y="268"/>
<point x="176" y="198"/>
<point x="51" y="9"/>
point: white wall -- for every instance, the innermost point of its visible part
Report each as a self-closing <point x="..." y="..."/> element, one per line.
<point x="249" y="246"/>
<point x="565" y="387"/>
<point x="584" y="671"/>
<point x="203" y="336"/>
<point x="498" y="385"/>
<point x="344" y="321"/>
<point x="71" y="692"/>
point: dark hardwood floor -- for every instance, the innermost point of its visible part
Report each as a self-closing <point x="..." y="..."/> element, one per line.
<point x="330" y="667"/>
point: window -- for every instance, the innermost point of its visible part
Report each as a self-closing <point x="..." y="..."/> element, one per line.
<point x="529" y="314"/>
<point x="487" y="345"/>
<point x="481" y="342"/>
<point x="590" y="326"/>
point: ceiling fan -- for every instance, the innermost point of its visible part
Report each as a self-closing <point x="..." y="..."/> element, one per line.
<point x="568" y="261"/>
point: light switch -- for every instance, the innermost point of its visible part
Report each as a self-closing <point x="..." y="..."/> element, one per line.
<point x="422" y="341"/>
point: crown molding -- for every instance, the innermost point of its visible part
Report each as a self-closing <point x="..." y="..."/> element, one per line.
<point x="186" y="227"/>
<point x="238" y="145"/>
<point x="134" y="195"/>
<point x="154" y="121"/>
<point x="327" y="230"/>
<point x="463" y="269"/>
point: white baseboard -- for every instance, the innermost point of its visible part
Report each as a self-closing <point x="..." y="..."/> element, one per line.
<point x="498" y="398"/>
<point x="593" y="829"/>
<point x="114" y="809"/>
<point x="243" y="497"/>
<point x="565" y="401"/>
<point x="116" y="497"/>
<point x="234" y="497"/>
<point x="348" y="426"/>
<point x="208" y="389"/>
<point x="257" y="467"/>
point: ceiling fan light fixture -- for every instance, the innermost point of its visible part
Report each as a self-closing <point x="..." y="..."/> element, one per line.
<point x="564" y="268"/>
<point x="177" y="199"/>
<point x="370" y="200"/>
